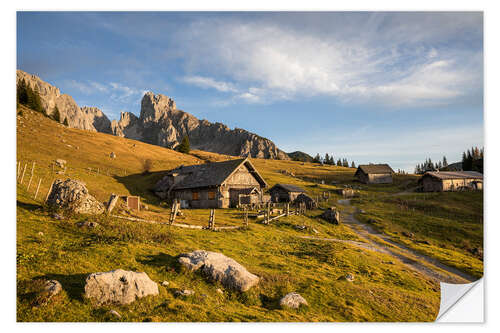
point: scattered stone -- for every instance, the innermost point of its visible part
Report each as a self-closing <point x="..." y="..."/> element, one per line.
<point x="331" y="215"/>
<point x="219" y="291"/>
<point x="50" y="289"/>
<point x="390" y="262"/>
<point x="409" y="235"/>
<point x="185" y="292"/>
<point x="57" y="216"/>
<point x="40" y="233"/>
<point x="292" y="300"/>
<point x="220" y="268"/>
<point x="87" y="224"/>
<point x="165" y="283"/>
<point x="349" y="277"/>
<point x="112" y="155"/>
<point x="204" y="295"/>
<point x="60" y="172"/>
<point x="300" y="227"/>
<point x="74" y="196"/>
<point x="115" y="313"/>
<point x="113" y="199"/>
<point x="119" y="286"/>
<point x="315" y="231"/>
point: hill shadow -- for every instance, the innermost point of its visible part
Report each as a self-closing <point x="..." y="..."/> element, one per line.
<point x="141" y="184"/>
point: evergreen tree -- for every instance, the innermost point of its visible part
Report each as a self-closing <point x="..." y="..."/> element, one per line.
<point x="445" y="162"/>
<point x="339" y="162"/>
<point x="345" y="163"/>
<point x="56" y="115"/>
<point x="184" y="147"/>
<point x="327" y="159"/>
<point x="353" y="165"/>
<point x="65" y="122"/>
<point x="317" y="158"/>
<point x="22" y="93"/>
<point x="34" y="102"/>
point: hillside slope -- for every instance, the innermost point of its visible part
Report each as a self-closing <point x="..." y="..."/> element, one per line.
<point x="50" y="249"/>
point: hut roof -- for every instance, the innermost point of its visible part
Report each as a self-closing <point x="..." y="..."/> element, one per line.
<point x="212" y="174"/>
<point x="454" y="174"/>
<point x="375" y="168"/>
<point x="290" y="188"/>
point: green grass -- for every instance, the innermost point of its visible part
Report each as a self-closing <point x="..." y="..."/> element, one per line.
<point x="447" y="226"/>
<point x="276" y="253"/>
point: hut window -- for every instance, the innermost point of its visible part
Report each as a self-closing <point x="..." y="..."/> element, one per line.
<point x="196" y="195"/>
<point x="211" y="195"/>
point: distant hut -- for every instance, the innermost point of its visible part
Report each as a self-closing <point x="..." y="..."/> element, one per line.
<point x="211" y="185"/>
<point x="285" y="192"/>
<point x="374" y="174"/>
<point x="304" y="198"/>
<point x="443" y="181"/>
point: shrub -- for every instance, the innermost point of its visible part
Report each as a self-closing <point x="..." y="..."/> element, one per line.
<point x="184" y="147"/>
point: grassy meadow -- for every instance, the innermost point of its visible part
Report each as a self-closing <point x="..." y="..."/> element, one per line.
<point x="383" y="289"/>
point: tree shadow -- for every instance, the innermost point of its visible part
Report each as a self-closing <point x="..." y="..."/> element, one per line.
<point x="270" y="303"/>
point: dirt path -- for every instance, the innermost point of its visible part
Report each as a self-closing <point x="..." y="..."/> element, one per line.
<point x="411" y="258"/>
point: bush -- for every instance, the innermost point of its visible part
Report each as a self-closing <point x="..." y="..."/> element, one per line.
<point x="184" y="147"/>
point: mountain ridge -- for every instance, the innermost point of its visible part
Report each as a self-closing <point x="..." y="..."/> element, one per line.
<point x="160" y="123"/>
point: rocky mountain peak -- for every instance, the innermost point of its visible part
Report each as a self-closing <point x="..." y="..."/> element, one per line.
<point x="156" y="106"/>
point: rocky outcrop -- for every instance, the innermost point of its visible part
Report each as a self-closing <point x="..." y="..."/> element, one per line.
<point x="91" y="119"/>
<point x="219" y="268"/>
<point x="332" y="215"/>
<point x="72" y="195"/>
<point x="161" y="123"/>
<point x="118" y="287"/>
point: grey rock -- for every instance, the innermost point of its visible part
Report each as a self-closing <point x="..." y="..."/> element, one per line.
<point x="115" y="313"/>
<point x="185" y="293"/>
<point x="349" y="277"/>
<point x="88" y="224"/>
<point x="72" y="195"/>
<point x="161" y="123"/>
<point x="60" y="163"/>
<point x="119" y="286"/>
<point x="331" y="215"/>
<point x="219" y="291"/>
<point x="292" y="300"/>
<point x="165" y="283"/>
<point x="57" y="216"/>
<point x="220" y="268"/>
<point x="41" y="234"/>
<point x="112" y="155"/>
<point x="50" y="289"/>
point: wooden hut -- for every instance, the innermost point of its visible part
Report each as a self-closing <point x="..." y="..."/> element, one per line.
<point x="285" y="192"/>
<point x="443" y="181"/>
<point x="307" y="200"/>
<point x="211" y="185"/>
<point x="374" y="174"/>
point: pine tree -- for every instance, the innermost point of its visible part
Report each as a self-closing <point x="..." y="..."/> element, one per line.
<point x="56" y="115"/>
<point x="317" y="158"/>
<point x="327" y="159"/>
<point x="445" y="162"/>
<point x="22" y="93"/>
<point x="184" y="147"/>
<point x="339" y="162"/>
<point x="353" y="165"/>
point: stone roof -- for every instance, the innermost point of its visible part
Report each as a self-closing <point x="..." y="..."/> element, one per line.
<point x="289" y="188"/>
<point x="375" y="168"/>
<point x="454" y="174"/>
<point x="212" y="174"/>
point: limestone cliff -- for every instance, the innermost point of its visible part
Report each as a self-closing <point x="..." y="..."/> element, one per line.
<point x="161" y="123"/>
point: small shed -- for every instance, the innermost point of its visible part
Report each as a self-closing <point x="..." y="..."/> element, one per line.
<point x="444" y="181"/>
<point x="374" y="173"/>
<point x="285" y="192"/>
<point x="310" y="202"/>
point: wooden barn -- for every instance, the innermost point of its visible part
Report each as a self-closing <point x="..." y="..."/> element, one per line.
<point x="374" y="174"/>
<point x="211" y="185"/>
<point x="285" y="192"/>
<point x="443" y="181"/>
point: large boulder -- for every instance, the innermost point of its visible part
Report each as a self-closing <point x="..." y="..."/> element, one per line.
<point x="220" y="268"/>
<point x="292" y="300"/>
<point x="119" y="287"/>
<point x="73" y="195"/>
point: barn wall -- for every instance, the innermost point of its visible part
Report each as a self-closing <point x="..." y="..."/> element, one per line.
<point x="242" y="177"/>
<point x="431" y="184"/>
<point x="203" y="201"/>
<point x="380" y="178"/>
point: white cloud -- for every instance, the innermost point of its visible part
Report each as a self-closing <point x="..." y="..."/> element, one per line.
<point x="281" y="63"/>
<point x="208" y="82"/>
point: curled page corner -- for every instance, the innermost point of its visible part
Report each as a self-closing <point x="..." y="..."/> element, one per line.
<point x="452" y="294"/>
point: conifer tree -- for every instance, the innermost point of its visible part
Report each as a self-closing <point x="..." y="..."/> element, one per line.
<point x="56" y="115"/>
<point x="65" y="122"/>
<point x="184" y="147"/>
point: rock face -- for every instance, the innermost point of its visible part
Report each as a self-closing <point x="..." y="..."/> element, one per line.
<point x="119" y="287"/>
<point x="73" y="195"/>
<point x="220" y="268"/>
<point x="292" y="300"/>
<point x="161" y="123"/>
<point x="91" y="119"/>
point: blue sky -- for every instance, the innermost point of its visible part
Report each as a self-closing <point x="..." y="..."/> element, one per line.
<point x="371" y="87"/>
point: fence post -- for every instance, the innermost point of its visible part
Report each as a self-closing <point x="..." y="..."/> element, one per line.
<point x="22" y="177"/>
<point x="18" y="169"/>
<point x="50" y="190"/>
<point x="245" y="217"/>
<point x="38" y="187"/>
<point x="211" y="220"/>
<point x="173" y="212"/>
